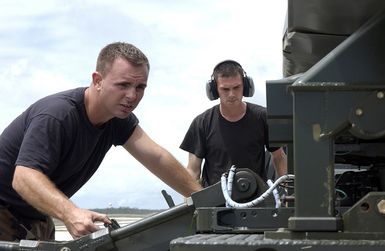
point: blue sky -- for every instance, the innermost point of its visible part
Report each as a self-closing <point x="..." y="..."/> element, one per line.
<point x="48" y="46"/>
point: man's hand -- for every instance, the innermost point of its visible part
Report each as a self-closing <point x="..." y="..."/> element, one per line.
<point x="81" y="222"/>
<point x="46" y="198"/>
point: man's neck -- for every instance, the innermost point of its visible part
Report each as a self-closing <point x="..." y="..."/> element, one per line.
<point x="233" y="114"/>
<point x="93" y="113"/>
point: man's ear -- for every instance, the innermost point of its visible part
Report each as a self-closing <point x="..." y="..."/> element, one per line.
<point x="97" y="80"/>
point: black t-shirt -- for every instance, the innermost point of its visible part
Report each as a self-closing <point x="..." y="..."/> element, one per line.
<point x="55" y="136"/>
<point x="222" y="143"/>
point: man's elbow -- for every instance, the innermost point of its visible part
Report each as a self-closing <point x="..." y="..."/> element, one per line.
<point x="17" y="180"/>
<point x="21" y="177"/>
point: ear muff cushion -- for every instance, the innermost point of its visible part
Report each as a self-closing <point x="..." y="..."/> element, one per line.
<point x="248" y="87"/>
<point x="211" y="90"/>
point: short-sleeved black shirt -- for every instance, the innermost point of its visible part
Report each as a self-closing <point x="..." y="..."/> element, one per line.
<point x="55" y="136"/>
<point x="222" y="143"/>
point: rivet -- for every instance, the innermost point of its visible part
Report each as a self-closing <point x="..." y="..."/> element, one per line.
<point x="381" y="207"/>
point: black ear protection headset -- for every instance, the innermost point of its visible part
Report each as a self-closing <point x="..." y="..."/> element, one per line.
<point x="211" y="85"/>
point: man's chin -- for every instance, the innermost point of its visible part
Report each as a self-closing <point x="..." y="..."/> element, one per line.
<point x="123" y="115"/>
<point x="232" y="102"/>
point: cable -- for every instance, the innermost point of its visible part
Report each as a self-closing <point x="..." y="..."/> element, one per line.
<point x="275" y="193"/>
<point x="230" y="182"/>
<point x="345" y="195"/>
<point x="227" y="195"/>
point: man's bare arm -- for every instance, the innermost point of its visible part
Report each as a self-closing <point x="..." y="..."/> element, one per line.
<point x="194" y="166"/>
<point x="36" y="188"/>
<point x="280" y="162"/>
<point x="161" y="163"/>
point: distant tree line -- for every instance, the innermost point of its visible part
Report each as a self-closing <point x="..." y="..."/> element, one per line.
<point x="126" y="210"/>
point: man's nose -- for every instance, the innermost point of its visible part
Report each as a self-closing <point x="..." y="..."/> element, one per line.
<point x="131" y="93"/>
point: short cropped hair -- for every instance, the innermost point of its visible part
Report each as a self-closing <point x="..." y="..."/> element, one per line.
<point x="116" y="50"/>
<point x="228" y="68"/>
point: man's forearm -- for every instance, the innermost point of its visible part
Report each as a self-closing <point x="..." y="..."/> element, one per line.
<point x="193" y="174"/>
<point x="35" y="188"/>
<point x="160" y="162"/>
<point x="178" y="177"/>
<point x="280" y="162"/>
<point x="281" y="169"/>
<point x="194" y="166"/>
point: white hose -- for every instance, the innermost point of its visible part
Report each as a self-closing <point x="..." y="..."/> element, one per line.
<point x="231" y="203"/>
<point x="275" y="193"/>
<point x="230" y="181"/>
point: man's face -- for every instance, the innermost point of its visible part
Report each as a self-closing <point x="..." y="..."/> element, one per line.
<point x="122" y="88"/>
<point x="230" y="90"/>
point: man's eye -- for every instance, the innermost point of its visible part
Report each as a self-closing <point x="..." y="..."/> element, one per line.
<point x="141" y="87"/>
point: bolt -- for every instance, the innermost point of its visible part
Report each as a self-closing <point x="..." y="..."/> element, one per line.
<point x="381" y="206"/>
<point x="243" y="184"/>
<point x="359" y="111"/>
<point x="380" y="95"/>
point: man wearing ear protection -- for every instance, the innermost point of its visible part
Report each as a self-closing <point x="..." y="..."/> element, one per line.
<point x="233" y="132"/>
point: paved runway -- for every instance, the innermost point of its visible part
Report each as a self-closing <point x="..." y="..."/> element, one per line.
<point x="61" y="233"/>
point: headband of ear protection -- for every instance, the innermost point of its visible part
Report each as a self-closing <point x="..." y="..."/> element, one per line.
<point x="211" y="85"/>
